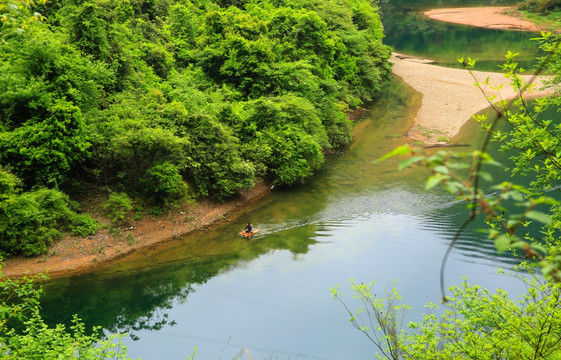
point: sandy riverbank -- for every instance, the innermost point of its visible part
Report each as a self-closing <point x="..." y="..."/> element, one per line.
<point x="487" y="17"/>
<point x="450" y="96"/>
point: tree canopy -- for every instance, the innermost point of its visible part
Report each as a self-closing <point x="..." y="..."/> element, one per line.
<point x="162" y="99"/>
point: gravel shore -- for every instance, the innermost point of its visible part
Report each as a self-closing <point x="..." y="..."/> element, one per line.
<point x="450" y="97"/>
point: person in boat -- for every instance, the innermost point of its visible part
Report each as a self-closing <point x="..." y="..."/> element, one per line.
<point x="248" y="228"/>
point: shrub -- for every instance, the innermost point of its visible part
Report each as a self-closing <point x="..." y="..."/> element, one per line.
<point x="30" y="222"/>
<point x="82" y="224"/>
<point x="540" y="6"/>
<point x="117" y="207"/>
<point x="476" y="323"/>
<point x="8" y="183"/>
<point x="163" y="184"/>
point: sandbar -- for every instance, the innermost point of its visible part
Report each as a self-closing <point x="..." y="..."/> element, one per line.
<point x="486" y="17"/>
<point x="449" y="96"/>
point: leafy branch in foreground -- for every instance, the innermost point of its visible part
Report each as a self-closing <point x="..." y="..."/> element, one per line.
<point x="19" y="308"/>
<point x="507" y="230"/>
<point x="380" y="319"/>
<point x="475" y="324"/>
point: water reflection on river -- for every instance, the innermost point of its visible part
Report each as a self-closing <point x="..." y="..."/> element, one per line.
<point x="357" y="219"/>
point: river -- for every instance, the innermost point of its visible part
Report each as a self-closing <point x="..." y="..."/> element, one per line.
<point x="356" y="219"/>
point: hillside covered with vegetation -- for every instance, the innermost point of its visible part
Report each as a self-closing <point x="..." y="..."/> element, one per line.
<point x="158" y="100"/>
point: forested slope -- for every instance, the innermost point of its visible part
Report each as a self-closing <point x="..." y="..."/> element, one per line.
<point x="161" y="98"/>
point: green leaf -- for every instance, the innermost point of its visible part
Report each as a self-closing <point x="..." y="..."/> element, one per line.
<point x="516" y="243"/>
<point x="516" y="196"/>
<point x="412" y="160"/>
<point x="502" y="243"/>
<point x="433" y="181"/>
<point x="402" y="150"/>
<point x="539" y="247"/>
<point x="441" y="169"/>
<point x="459" y="165"/>
<point x="453" y="187"/>
<point x="539" y="216"/>
<point x="547" y="269"/>
<point x="486" y="176"/>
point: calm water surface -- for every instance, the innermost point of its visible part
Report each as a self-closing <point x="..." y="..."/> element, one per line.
<point x="357" y="219"/>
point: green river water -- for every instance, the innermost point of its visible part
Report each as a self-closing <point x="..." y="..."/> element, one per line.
<point x="356" y="219"/>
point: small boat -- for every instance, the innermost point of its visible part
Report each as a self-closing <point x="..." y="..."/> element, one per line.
<point x="248" y="235"/>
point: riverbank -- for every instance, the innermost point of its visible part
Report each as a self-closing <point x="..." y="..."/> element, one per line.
<point x="507" y="18"/>
<point x="73" y="255"/>
<point x="450" y="96"/>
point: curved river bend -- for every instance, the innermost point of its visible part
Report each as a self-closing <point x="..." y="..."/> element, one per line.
<point x="357" y="219"/>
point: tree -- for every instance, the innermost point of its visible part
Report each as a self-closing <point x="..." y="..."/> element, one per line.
<point x="43" y="151"/>
<point x="87" y="29"/>
<point x="163" y="184"/>
<point x="289" y="135"/>
<point x="540" y="6"/>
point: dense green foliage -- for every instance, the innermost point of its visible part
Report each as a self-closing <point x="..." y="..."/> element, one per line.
<point x="161" y="99"/>
<point x="19" y="306"/>
<point x="112" y="90"/>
